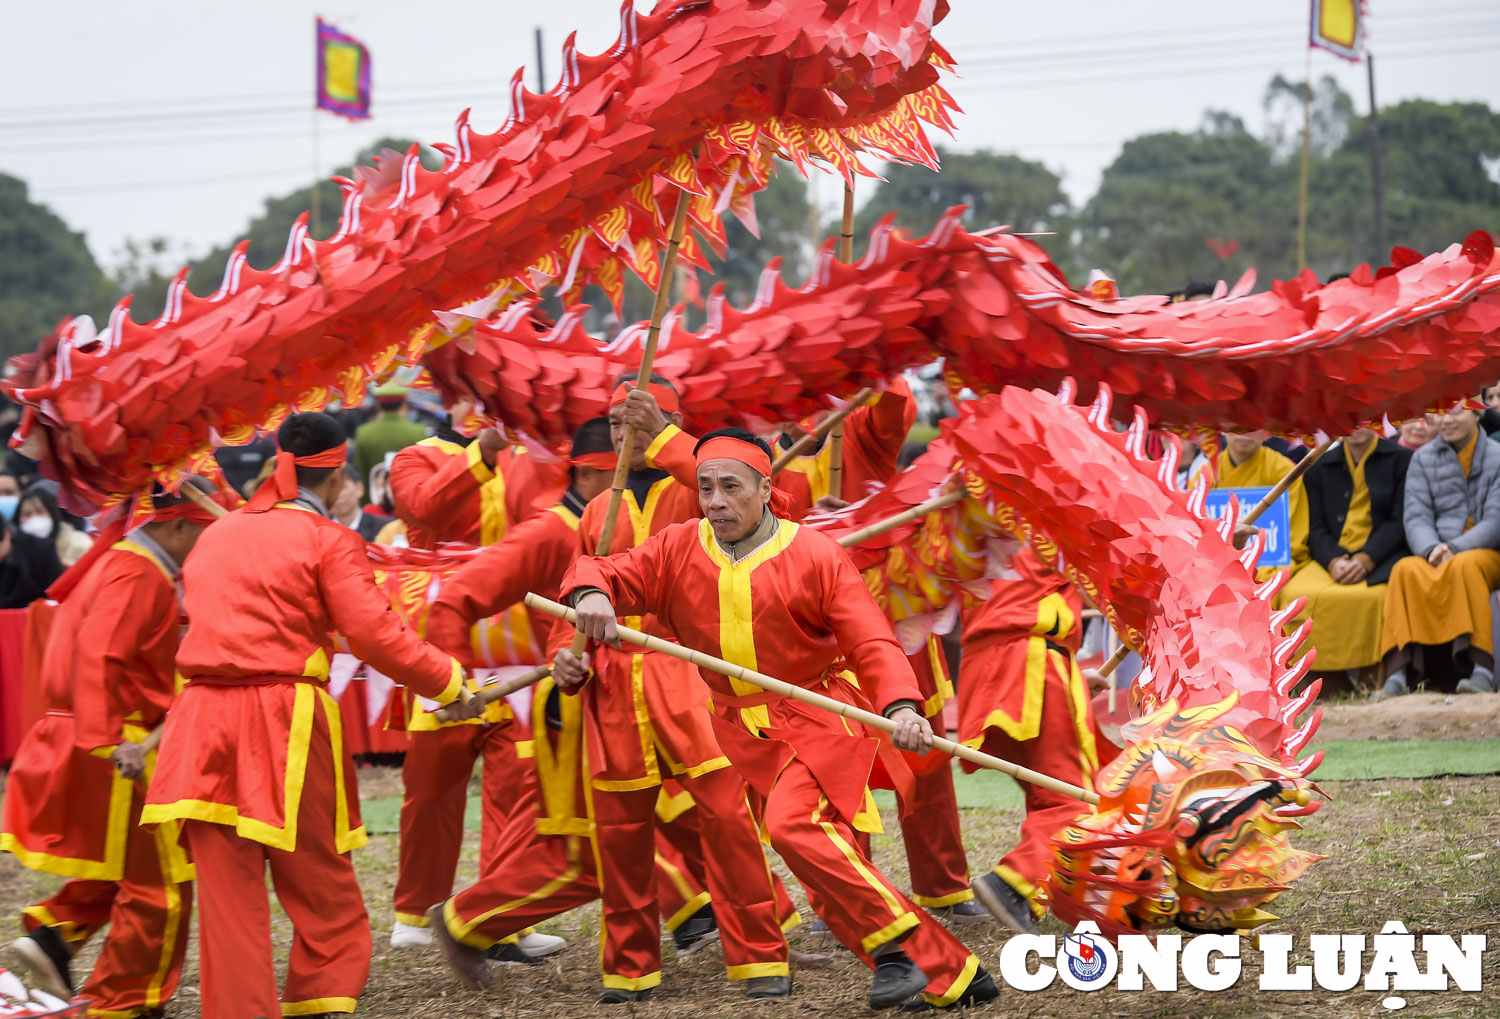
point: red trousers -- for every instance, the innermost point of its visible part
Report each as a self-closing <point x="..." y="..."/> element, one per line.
<point x="680" y="867"/>
<point x="735" y="869"/>
<point x="147" y="913"/>
<point x="934" y="843"/>
<point x="860" y="906"/>
<point x="316" y="886"/>
<point x="436" y="780"/>
<point x="1068" y="745"/>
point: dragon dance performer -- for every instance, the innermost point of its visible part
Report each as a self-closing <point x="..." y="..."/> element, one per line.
<point x="74" y="797"/>
<point x="450" y="488"/>
<point x="750" y="587"/>
<point x="873" y="436"/>
<point x="252" y="759"/>
<point x="1021" y="697"/>
<point x="645" y="721"/>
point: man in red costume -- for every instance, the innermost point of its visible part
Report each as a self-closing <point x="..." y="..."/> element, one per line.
<point x="1024" y="699"/>
<point x="252" y="759"/>
<point x="450" y="488"/>
<point x="645" y="721"/>
<point x="930" y="830"/>
<point x="74" y="797"/>
<point x="749" y="587"/>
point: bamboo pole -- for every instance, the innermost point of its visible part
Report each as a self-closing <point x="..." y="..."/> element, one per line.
<point x="1107" y="669"/>
<point x="1302" y="184"/>
<point x="904" y="517"/>
<point x="1298" y="469"/>
<point x="818" y="434"/>
<point x="642" y="378"/>
<point x="836" y="440"/>
<point x="197" y="495"/>
<point x="489" y="694"/>
<point x="777" y="686"/>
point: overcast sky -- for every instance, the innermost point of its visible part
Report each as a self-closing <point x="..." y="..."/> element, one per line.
<point x="147" y="118"/>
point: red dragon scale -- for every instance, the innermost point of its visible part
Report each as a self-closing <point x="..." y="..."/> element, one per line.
<point x="1397" y="342"/>
<point x="698" y="96"/>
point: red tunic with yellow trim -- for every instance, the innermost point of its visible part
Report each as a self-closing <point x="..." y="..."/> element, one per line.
<point x="1035" y="608"/>
<point x="106" y="675"/>
<point x="873" y="436"/>
<point x="445" y="492"/>
<point x="265" y="592"/>
<point x="795" y="608"/>
<point x="645" y="708"/>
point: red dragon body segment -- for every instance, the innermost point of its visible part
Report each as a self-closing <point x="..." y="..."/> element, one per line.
<point x="1191" y="828"/>
<point x="1397" y="342"/>
<point x="575" y="188"/>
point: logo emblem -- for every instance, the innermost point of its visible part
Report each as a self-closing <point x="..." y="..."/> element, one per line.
<point x="1088" y="961"/>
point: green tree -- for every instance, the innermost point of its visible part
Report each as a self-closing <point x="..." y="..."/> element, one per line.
<point x="46" y="271"/>
<point x="999" y="189"/>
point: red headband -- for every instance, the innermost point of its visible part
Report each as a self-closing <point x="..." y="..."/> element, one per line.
<point x="666" y="400"/>
<point x="727" y="447"/>
<point x="598" y="461"/>
<point x="117" y="529"/>
<point x="282" y="484"/>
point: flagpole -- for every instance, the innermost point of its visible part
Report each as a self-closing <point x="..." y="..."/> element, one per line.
<point x="1381" y="254"/>
<point x="1306" y="142"/>
<point x="316" y="230"/>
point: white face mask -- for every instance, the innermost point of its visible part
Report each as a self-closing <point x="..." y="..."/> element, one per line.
<point x="38" y="527"/>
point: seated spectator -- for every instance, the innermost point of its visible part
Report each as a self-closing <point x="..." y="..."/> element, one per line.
<point x="1417" y="432"/>
<point x="1441" y="594"/>
<point x="347" y="511"/>
<point x="10" y="496"/>
<point x="394" y="532"/>
<point x="1246" y="462"/>
<point x="40" y="517"/>
<point x="28" y="566"/>
<point x="1355" y="498"/>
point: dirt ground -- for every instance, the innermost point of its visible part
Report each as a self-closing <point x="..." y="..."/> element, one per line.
<point x="1426" y="852"/>
<point x="1415" y="716"/>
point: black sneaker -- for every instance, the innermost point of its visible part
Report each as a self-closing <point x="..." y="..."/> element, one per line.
<point x="961" y="912"/>
<point x="46" y="957"/>
<point x="897" y="978"/>
<point x="698" y="931"/>
<point x="1005" y="903"/>
<point x="613" y="996"/>
<point x="768" y="987"/>
<point x="981" y="990"/>
<point x="508" y="953"/>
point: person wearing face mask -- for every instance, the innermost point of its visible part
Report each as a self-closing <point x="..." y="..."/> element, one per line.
<point x="28" y="564"/>
<point x="40" y="517"/>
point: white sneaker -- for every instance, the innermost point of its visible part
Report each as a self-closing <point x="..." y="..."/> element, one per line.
<point x="539" y="946"/>
<point x="404" y="935"/>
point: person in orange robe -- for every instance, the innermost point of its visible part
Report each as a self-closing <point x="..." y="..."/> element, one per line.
<point x="644" y="722"/>
<point x="930" y="830"/>
<point x="252" y="759"/>
<point x="1022" y="698"/>
<point x="450" y="488"/>
<point x="74" y="797"/>
<point x="744" y="585"/>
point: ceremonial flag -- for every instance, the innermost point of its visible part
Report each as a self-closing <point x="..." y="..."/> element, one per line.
<point x="1338" y="26"/>
<point x="343" y="73"/>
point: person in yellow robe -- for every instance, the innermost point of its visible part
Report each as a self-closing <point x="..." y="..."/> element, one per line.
<point x="1441" y="594"/>
<point x="1355" y="498"/>
<point x="1245" y="462"/>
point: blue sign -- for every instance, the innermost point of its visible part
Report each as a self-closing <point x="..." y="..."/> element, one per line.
<point x="1275" y="523"/>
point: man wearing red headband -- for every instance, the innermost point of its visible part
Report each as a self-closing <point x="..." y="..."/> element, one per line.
<point x="252" y="760"/>
<point x="73" y="801"/>
<point x="763" y="592"/>
<point x="873" y="436"/>
<point x="451" y="488"/>
<point x="645" y="722"/>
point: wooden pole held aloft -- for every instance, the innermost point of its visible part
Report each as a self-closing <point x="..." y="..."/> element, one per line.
<point x="777" y="686"/>
<point x="1298" y="469"/>
<point x="818" y="434"/>
<point x="904" y="517"/>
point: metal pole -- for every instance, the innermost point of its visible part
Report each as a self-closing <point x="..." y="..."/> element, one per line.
<point x="541" y="67"/>
<point x="1302" y="188"/>
<point x="1377" y="186"/>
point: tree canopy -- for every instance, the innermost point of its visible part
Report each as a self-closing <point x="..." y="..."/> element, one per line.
<point x="46" y="271"/>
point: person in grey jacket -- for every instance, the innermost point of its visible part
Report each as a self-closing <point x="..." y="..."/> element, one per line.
<point x="1440" y="595"/>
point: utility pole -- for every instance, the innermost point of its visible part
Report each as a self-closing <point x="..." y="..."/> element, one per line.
<point x="541" y="67"/>
<point x="1377" y="186"/>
